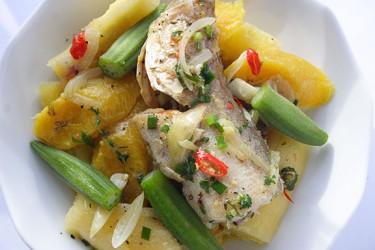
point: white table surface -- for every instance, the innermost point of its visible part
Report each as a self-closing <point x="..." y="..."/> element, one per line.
<point x="357" y="20"/>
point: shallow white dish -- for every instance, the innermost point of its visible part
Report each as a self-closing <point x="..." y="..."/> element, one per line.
<point x="336" y="173"/>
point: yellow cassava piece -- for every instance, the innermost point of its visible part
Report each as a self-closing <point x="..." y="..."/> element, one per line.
<point x="262" y="228"/>
<point x="49" y="91"/>
<point x="120" y="16"/>
<point x="79" y="219"/>
<point x="139" y="162"/>
<point x="62" y="119"/>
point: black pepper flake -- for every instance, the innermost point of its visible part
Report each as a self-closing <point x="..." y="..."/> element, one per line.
<point x="72" y="236"/>
<point x="82" y="106"/>
<point x="127" y="242"/>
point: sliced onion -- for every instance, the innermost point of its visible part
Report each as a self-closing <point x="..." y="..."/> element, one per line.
<point x="188" y="145"/>
<point x="120" y="180"/>
<point x="197" y="25"/>
<point x="100" y="218"/>
<point x="80" y="80"/>
<point x="102" y="215"/>
<point x="84" y="100"/>
<point x="236" y="65"/>
<point x="182" y="128"/>
<point x="92" y="38"/>
<point x="127" y="222"/>
<point x="243" y="90"/>
<point x="201" y="58"/>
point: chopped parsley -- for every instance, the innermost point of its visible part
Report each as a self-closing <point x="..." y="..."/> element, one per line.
<point x="244" y="200"/>
<point x="187" y="169"/>
<point x="290" y="177"/>
<point x="205" y="139"/>
<point x="268" y="180"/>
<point x="213" y="120"/>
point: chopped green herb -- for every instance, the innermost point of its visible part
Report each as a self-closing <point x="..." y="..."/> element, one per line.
<point x="205" y="139"/>
<point x="177" y="33"/>
<point x="200" y="99"/>
<point x="198" y="36"/>
<point x="219" y="187"/>
<point x="152" y="122"/>
<point x="187" y="169"/>
<point x="290" y="177"/>
<point x="268" y="180"/>
<point x="198" y="46"/>
<point x="146" y="232"/>
<point x="213" y="120"/>
<point x="122" y="156"/>
<point x="87" y="139"/>
<point x="209" y="31"/>
<point x="221" y="142"/>
<point x="165" y="128"/>
<point x="207" y="74"/>
<point x="205" y="185"/>
<point x="295" y="102"/>
<point x="244" y="200"/>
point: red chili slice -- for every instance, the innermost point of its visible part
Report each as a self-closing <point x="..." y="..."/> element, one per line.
<point x="253" y="60"/>
<point x="287" y="196"/>
<point x="209" y="164"/>
<point x="79" y="45"/>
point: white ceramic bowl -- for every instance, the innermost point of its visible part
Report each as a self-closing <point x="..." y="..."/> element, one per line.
<point x="336" y="173"/>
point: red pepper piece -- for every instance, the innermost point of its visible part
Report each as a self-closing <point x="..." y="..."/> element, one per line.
<point x="287" y="196"/>
<point x="209" y="164"/>
<point x="253" y="60"/>
<point x="79" y="45"/>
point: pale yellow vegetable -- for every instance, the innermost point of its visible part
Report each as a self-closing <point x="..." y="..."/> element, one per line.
<point x="138" y="163"/>
<point x="121" y="15"/>
<point x="262" y="228"/>
<point x="62" y="119"/>
<point x="79" y="219"/>
<point x="49" y="91"/>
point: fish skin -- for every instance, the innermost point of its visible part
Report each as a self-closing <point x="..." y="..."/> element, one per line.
<point x="157" y="61"/>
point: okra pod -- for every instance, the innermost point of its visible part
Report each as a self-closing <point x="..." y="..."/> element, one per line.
<point x="176" y="214"/>
<point x="79" y="175"/>
<point x="122" y="56"/>
<point x="287" y="118"/>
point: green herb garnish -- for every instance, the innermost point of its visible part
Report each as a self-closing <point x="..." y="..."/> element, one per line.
<point x="152" y="122"/>
<point x="219" y="187"/>
<point x="146" y="232"/>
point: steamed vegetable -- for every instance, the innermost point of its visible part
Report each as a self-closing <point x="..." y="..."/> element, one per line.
<point x="122" y="55"/>
<point x="79" y="175"/>
<point x="287" y="118"/>
<point x="176" y="214"/>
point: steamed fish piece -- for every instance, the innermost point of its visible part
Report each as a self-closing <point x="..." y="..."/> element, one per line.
<point x="245" y="181"/>
<point x="252" y="179"/>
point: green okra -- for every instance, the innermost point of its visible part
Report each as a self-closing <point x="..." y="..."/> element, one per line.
<point x="283" y="115"/>
<point x="122" y="56"/>
<point x="176" y="214"/>
<point x="79" y="175"/>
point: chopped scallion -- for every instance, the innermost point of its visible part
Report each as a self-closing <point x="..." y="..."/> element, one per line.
<point x="219" y="187"/>
<point x="205" y="185"/>
<point x="198" y="36"/>
<point x="146" y="232"/>
<point x="165" y="128"/>
<point x="221" y="142"/>
<point x="209" y="31"/>
<point x="152" y="122"/>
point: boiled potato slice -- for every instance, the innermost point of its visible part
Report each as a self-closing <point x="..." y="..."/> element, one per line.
<point x="79" y="219"/>
<point x="262" y="228"/>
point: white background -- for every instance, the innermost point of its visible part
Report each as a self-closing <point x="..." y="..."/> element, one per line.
<point x="357" y="20"/>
